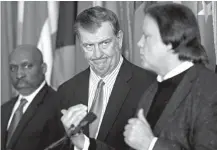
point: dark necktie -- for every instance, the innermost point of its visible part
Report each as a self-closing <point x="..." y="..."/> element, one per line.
<point x="96" y="108"/>
<point x="16" y="118"/>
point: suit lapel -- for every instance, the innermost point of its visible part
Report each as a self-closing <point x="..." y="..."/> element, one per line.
<point x="147" y="98"/>
<point x="179" y="95"/>
<point x="28" y="115"/>
<point x="7" y="110"/>
<point x="117" y="97"/>
<point x="82" y="92"/>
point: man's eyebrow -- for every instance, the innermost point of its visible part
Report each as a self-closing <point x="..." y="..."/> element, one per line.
<point x="105" y="40"/>
<point x="25" y="62"/>
<point x="110" y="38"/>
<point x="87" y="43"/>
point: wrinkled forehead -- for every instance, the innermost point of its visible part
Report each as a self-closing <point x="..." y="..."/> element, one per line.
<point x="103" y="32"/>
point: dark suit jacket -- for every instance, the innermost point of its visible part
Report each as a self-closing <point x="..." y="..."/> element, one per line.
<point x="127" y="91"/>
<point x="189" y="121"/>
<point x="37" y="128"/>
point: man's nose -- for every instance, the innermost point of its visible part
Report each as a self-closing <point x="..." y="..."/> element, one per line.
<point x="20" y="73"/>
<point x="97" y="51"/>
<point x="141" y="41"/>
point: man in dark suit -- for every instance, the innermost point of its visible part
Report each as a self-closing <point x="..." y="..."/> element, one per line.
<point x="27" y="121"/>
<point x="110" y="87"/>
<point x="179" y="110"/>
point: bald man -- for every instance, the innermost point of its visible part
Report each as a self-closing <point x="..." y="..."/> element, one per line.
<point x="29" y="120"/>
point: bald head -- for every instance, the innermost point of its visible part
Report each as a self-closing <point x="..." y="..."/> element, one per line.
<point x="27" y="69"/>
<point x="30" y="51"/>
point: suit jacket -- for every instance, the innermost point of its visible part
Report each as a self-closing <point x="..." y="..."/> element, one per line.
<point x="189" y="120"/>
<point x="128" y="88"/>
<point x="37" y="128"/>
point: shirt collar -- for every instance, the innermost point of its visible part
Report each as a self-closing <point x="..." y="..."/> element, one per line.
<point x="177" y="70"/>
<point x="30" y="97"/>
<point x="107" y="78"/>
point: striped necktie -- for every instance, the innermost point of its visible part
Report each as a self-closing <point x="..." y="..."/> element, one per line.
<point x="96" y="108"/>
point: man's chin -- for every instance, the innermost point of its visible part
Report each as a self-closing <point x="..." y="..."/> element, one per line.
<point x="145" y="65"/>
<point x="24" y="90"/>
<point x="148" y="67"/>
<point x="101" y="73"/>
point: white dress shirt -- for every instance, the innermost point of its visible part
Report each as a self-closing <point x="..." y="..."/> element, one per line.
<point x="109" y="81"/>
<point x="29" y="99"/>
<point x="179" y="69"/>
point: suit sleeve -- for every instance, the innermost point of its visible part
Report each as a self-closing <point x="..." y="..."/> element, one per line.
<point x="204" y="131"/>
<point x="53" y="130"/>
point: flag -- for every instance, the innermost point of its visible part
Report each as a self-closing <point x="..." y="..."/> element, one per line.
<point x="68" y="58"/>
<point x="8" y="43"/>
<point x="37" y="25"/>
<point x="63" y="67"/>
<point x="214" y="20"/>
<point x="205" y="21"/>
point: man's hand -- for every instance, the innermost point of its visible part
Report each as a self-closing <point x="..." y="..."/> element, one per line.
<point x="138" y="133"/>
<point x="73" y="116"/>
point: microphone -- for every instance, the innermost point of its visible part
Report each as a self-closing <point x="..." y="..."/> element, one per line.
<point x="89" y="118"/>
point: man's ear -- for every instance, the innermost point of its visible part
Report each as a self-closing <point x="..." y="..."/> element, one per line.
<point x="44" y="67"/>
<point x="120" y="38"/>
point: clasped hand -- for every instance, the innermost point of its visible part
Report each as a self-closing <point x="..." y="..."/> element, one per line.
<point x="72" y="117"/>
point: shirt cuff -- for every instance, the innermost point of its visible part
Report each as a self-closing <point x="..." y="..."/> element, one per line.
<point x="151" y="146"/>
<point x="86" y="144"/>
